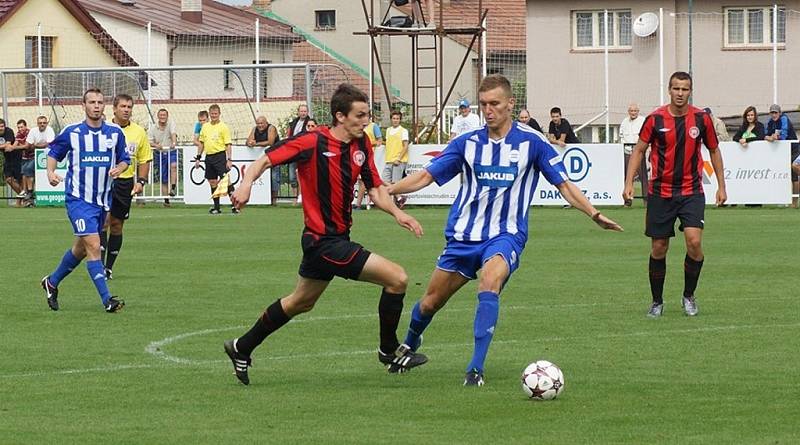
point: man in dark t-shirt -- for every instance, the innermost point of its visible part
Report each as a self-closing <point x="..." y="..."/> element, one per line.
<point x="12" y="167"/>
<point x="329" y="162"/>
<point x="675" y="134"/>
<point x="560" y="131"/>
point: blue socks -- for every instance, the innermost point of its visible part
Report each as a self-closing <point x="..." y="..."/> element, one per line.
<point x="418" y="323"/>
<point x="97" y="274"/>
<point x="67" y="265"/>
<point x="485" y="321"/>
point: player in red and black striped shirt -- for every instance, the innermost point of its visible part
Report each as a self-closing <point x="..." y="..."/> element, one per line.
<point x="329" y="162"/>
<point x="675" y="134"/>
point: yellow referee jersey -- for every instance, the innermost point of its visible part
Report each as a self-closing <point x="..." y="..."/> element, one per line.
<point x="215" y="137"/>
<point x="138" y="147"/>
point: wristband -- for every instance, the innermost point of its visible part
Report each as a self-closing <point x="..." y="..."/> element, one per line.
<point x="142" y="181"/>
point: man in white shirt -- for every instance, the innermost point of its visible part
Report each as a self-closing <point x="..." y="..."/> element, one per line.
<point x="39" y="136"/>
<point x="163" y="138"/>
<point x="629" y="136"/>
<point x="465" y="121"/>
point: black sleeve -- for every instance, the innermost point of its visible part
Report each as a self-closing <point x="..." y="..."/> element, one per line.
<point x="535" y="125"/>
<point x="739" y="133"/>
<point x="759" y="132"/>
<point x="552" y="128"/>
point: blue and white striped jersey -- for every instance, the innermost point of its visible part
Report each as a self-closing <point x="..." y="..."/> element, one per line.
<point x="91" y="153"/>
<point x="499" y="178"/>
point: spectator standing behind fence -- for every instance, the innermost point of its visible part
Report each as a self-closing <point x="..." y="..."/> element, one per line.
<point x="22" y="147"/>
<point x="719" y="127"/>
<point x="396" y="158"/>
<point x="751" y="129"/>
<point x="465" y="121"/>
<point x="560" y="131"/>
<point x="265" y="135"/>
<point x="40" y="136"/>
<point x="629" y="135"/>
<point x="779" y="128"/>
<point x="12" y="168"/>
<point x="525" y="118"/>
<point x="297" y="126"/>
<point x="202" y="118"/>
<point x="163" y="138"/>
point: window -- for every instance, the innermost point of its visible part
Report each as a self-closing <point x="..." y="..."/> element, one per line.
<point x="751" y="27"/>
<point x="32" y="60"/>
<point x="226" y="76"/>
<point x="326" y="20"/>
<point x="588" y="29"/>
<point x="263" y="79"/>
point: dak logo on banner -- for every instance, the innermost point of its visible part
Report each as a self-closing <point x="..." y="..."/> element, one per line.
<point x="596" y="169"/>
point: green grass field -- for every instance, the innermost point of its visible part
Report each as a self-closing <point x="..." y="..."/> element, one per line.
<point x="156" y="373"/>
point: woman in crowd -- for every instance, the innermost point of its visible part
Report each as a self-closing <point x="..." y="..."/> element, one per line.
<point x="751" y="129"/>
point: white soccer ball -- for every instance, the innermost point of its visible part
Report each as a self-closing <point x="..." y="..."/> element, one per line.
<point x="542" y="380"/>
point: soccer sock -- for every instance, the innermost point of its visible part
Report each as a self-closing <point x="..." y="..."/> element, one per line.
<point x="691" y="273"/>
<point x="216" y="200"/>
<point x="390" y="308"/>
<point x="658" y="271"/>
<point x="114" y="246"/>
<point x="416" y="327"/>
<point x="485" y="321"/>
<point x="67" y="265"/>
<point x="103" y="245"/>
<point x="98" y="277"/>
<point x="270" y="321"/>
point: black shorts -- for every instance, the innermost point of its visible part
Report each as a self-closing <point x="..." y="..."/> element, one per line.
<point x="121" y="198"/>
<point x="12" y="167"/>
<point x="795" y="154"/>
<point x="216" y="165"/>
<point x="662" y="213"/>
<point x="327" y="256"/>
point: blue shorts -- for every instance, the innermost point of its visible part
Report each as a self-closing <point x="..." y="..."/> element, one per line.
<point x="467" y="258"/>
<point x="164" y="160"/>
<point x="86" y="219"/>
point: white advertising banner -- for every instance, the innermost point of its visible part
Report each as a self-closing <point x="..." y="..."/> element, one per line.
<point x="46" y="194"/>
<point x="597" y="169"/>
<point x="757" y="174"/>
<point x="197" y="191"/>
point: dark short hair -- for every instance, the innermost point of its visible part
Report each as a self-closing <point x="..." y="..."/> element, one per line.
<point x="343" y="98"/>
<point x="202" y="113"/>
<point x="91" y="90"/>
<point x="397" y="113"/>
<point x="493" y="81"/>
<point x="681" y="75"/>
<point x="311" y="119"/>
<point x="555" y="110"/>
<point x="22" y="121"/>
<point x="122" y="97"/>
<point x="2" y="121"/>
<point x="214" y="107"/>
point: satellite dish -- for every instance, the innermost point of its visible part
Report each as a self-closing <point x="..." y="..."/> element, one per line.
<point x="645" y="25"/>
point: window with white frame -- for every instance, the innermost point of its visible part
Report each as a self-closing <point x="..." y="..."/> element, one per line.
<point x="751" y="26"/>
<point x="588" y="29"/>
<point x="325" y="20"/>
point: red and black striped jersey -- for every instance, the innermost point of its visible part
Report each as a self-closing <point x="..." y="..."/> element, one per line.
<point x="327" y="169"/>
<point x="675" y="157"/>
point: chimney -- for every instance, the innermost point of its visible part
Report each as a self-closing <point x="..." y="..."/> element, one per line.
<point x="262" y="5"/>
<point x="192" y="11"/>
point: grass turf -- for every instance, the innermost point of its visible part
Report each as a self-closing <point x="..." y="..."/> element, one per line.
<point x="156" y="373"/>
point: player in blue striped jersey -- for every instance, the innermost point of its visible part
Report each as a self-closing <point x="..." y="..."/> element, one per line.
<point x="488" y="223"/>
<point x="96" y="155"/>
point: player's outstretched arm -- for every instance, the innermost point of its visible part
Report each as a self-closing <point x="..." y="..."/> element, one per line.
<point x="576" y="199"/>
<point x="411" y="183"/>
<point x="241" y="196"/>
<point x="381" y="199"/>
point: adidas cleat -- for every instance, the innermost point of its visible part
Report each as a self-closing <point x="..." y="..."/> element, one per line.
<point x="114" y="305"/>
<point x="50" y="292"/>
<point x="689" y="306"/>
<point x="656" y="309"/>
<point x="474" y="378"/>
<point x="402" y="360"/>
<point x="240" y="362"/>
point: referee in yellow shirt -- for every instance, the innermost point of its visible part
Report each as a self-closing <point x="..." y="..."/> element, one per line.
<point x="126" y="185"/>
<point x="215" y="140"/>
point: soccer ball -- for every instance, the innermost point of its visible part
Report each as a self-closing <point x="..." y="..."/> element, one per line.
<point x="542" y="380"/>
